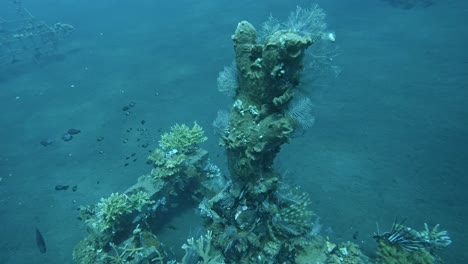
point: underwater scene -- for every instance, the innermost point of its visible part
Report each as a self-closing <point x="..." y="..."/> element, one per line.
<point x="268" y="131"/>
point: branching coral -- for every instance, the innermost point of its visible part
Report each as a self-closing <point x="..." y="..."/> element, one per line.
<point x="110" y="210"/>
<point x="175" y="148"/>
<point x="166" y="164"/>
<point x="202" y="248"/>
<point x="182" y="138"/>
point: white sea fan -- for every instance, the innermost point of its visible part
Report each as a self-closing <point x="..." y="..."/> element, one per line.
<point x="221" y="123"/>
<point x="268" y="27"/>
<point x="300" y="111"/>
<point x="308" y="21"/>
<point x="227" y="80"/>
<point x="320" y="62"/>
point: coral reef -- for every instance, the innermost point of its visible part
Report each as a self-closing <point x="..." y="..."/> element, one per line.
<point x="250" y="215"/>
<point x="121" y="228"/>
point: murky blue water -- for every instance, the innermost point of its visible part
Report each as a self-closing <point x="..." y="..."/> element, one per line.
<point x="390" y="137"/>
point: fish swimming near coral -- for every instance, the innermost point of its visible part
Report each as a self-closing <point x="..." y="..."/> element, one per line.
<point x="40" y="242"/>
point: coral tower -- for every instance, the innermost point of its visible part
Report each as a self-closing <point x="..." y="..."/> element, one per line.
<point x="258" y="124"/>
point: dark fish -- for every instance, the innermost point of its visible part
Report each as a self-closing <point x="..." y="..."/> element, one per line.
<point x="172" y="227"/>
<point x="61" y="187"/>
<point x="356" y="235"/>
<point x="40" y="242"/>
<point x="73" y="131"/>
<point x="46" y="142"/>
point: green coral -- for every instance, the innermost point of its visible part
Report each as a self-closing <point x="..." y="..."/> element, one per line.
<point x="174" y="149"/>
<point x="139" y="200"/>
<point x="166" y="164"/>
<point x="110" y="211"/>
<point x="182" y="138"/>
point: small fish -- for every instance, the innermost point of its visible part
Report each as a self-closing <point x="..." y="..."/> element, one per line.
<point x="356" y="235"/>
<point x="61" y="187"/>
<point x="172" y="227"/>
<point x="40" y="242"/>
<point x="73" y="131"/>
<point x="46" y="142"/>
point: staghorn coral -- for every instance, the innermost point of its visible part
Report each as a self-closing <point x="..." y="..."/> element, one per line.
<point x="176" y="151"/>
<point x="110" y="211"/>
<point x="182" y="138"/>
<point x="166" y="163"/>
